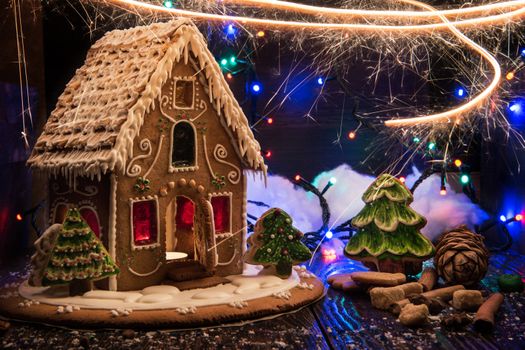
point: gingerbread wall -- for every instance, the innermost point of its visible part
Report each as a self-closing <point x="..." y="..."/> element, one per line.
<point x="217" y="170"/>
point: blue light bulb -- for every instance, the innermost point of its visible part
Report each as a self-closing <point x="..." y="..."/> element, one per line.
<point x="329" y="234"/>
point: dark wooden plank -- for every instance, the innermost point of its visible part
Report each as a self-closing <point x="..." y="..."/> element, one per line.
<point x="349" y="321"/>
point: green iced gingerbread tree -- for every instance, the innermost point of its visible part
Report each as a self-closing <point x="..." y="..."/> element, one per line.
<point x="78" y="257"/>
<point x="388" y="237"/>
<point x="275" y="242"/>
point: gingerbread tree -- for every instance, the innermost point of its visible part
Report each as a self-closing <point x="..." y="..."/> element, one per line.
<point x="388" y="237"/>
<point x="78" y="257"/>
<point x="275" y="242"/>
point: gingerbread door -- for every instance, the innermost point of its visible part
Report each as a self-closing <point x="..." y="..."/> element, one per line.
<point x="190" y="232"/>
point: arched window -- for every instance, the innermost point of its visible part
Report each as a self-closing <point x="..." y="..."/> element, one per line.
<point x="91" y="217"/>
<point x="183" y="146"/>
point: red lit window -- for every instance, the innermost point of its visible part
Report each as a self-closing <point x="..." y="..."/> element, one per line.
<point x="144" y="222"/>
<point x="221" y="213"/>
<point x="185" y="213"/>
<point x="91" y="218"/>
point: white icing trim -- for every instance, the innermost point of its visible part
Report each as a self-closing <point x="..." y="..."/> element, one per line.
<point x="147" y="273"/>
<point x="220" y="153"/>
<point x="161" y="138"/>
<point x="230" y="196"/>
<point x="164" y="100"/>
<point x="177" y="79"/>
<point x="235" y="251"/>
<point x="112" y="230"/>
<point x="203" y="105"/>
<point x="173" y="169"/>
<point x="244" y="216"/>
<point x="134" y="170"/>
<point x="132" y="201"/>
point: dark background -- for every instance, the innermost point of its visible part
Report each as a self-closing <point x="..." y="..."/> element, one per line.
<point x="56" y="42"/>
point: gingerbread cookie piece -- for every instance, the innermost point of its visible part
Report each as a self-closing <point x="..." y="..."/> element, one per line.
<point x="468" y="300"/>
<point x="380" y="279"/>
<point x="414" y="315"/>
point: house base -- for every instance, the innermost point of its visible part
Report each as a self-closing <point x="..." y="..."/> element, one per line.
<point x="244" y="298"/>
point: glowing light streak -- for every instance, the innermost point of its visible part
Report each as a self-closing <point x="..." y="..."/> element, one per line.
<point x="471" y="22"/>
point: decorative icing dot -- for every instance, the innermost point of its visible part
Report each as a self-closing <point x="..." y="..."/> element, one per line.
<point x="269" y="250"/>
<point x="290" y="237"/>
<point x="272" y="236"/>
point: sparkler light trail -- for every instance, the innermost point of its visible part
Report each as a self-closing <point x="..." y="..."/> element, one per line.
<point x="471" y="22"/>
<point x="371" y="15"/>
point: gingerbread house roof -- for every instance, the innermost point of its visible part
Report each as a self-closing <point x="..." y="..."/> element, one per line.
<point x="102" y="108"/>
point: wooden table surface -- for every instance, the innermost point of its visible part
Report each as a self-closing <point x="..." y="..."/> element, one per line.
<point x="339" y="321"/>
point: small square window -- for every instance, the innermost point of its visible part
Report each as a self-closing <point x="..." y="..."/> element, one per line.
<point x="184" y="93"/>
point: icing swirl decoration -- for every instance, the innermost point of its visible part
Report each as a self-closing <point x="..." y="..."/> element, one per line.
<point x="361" y="20"/>
<point x="134" y="170"/>
<point x="220" y="153"/>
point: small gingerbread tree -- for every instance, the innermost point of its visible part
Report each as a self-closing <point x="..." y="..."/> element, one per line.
<point x="78" y="257"/>
<point x="388" y="237"/>
<point x="275" y="242"/>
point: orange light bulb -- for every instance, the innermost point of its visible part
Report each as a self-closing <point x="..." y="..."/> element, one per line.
<point x="402" y="179"/>
<point x="19" y="217"/>
<point x="269" y="121"/>
<point x="443" y="192"/>
<point x="519" y="217"/>
<point x="261" y="34"/>
<point x="351" y="135"/>
<point x="458" y="162"/>
<point x="297" y="177"/>
<point x="510" y="75"/>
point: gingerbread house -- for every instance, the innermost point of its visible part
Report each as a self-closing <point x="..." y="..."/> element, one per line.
<point x="148" y="141"/>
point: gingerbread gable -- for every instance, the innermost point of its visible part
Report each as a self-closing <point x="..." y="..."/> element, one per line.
<point x="102" y="109"/>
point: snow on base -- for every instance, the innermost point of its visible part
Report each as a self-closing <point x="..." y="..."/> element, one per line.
<point x="254" y="283"/>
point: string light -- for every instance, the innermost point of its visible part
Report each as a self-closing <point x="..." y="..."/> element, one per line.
<point x="229" y="76"/>
<point x="256" y="88"/>
<point x="268" y="154"/>
<point x="458" y="163"/>
<point x="261" y="34"/>
<point x="416" y="140"/>
<point x="230" y="30"/>
<point x="510" y="76"/>
<point x="518" y="217"/>
<point x="297" y="177"/>
<point x="269" y="121"/>
<point x="224" y="62"/>
<point x="351" y="135"/>
<point x="431" y="146"/>
<point x="167" y="4"/>
<point x="516" y="107"/>
<point x="332" y="181"/>
<point x="465" y="179"/>
<point x="329" y="234"/>
<point x="320" y="81"/>
<point x="19" y="217"/>
<point x="402" y="179"/>
<point x="502" y="218"/>
<point x="443" y="192"/>
<point x="460" y="92"/>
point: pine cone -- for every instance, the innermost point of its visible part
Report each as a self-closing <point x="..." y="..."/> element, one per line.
<point x="461" y="257"/>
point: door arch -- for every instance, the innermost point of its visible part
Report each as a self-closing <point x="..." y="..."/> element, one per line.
<point x="188" y="208"/>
